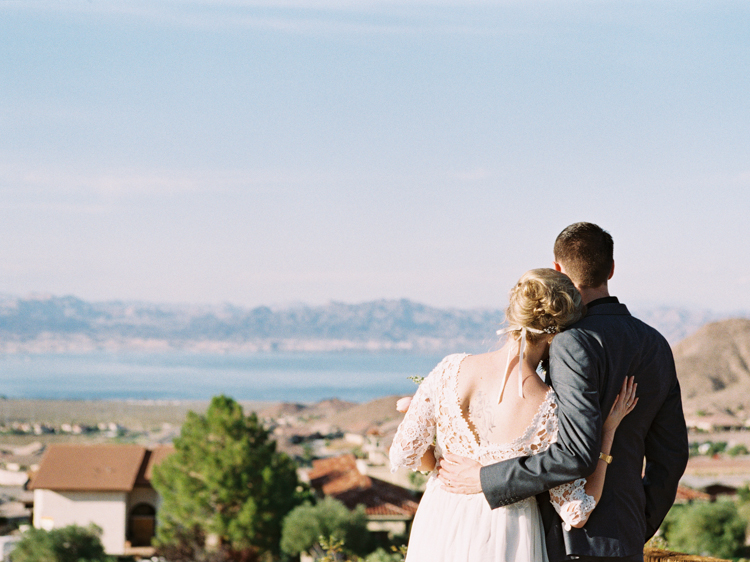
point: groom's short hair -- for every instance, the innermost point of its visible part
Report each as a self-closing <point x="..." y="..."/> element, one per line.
<point x="585" y="251"/>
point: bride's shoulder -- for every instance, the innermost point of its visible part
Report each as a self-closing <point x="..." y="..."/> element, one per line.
<point x="453" y="361"/>
<point x="479" y="362"/>
<point x="448" y="366"/>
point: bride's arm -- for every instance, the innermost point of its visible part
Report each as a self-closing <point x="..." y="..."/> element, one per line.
<point x="576" y="501"/>
<point x="428" y="459"/>
<point x="416" y="433"/>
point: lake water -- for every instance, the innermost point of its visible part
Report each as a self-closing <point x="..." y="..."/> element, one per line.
<point x="291" y="377"/>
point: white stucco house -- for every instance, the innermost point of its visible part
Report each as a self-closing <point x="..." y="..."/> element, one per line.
<point x="108" y="485"/>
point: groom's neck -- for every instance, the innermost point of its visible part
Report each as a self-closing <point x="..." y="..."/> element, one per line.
<point x="589" y="294"/>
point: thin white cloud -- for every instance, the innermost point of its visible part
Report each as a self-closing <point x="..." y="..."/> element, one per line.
<point x="13" y="111"/>
<point x="57" y="207"/>
<point x="60" y="180"/>
<point x="293" y="16"/>
<point x="123" y="183"/>
<point x="130" y="6"/>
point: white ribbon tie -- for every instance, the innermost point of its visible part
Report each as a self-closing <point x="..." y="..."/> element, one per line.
<point x="521" y="350"/>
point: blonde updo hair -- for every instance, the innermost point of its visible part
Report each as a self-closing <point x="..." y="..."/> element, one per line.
<point x="543" y="299"/>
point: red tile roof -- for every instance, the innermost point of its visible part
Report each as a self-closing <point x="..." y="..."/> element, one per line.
<point x="685" y="494"/>
<point x="336" y="475"/>
<point x="339" y="477"/>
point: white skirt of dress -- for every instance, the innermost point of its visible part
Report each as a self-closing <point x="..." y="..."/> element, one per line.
<point x="462" y="528"/>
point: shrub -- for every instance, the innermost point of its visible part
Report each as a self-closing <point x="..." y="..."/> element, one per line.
<point x="329" y="518"/>
<point x="382" y="555"/>
<point x="707" y="529"/>
<point x="743" y="493"/>
<point x="737" y="450"/>
<point x="67" y="544"/>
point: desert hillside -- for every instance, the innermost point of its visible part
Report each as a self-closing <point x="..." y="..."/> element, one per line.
<point x="713" y="366"/>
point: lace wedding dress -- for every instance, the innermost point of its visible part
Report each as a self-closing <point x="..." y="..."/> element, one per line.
<point x="456" y="527"/>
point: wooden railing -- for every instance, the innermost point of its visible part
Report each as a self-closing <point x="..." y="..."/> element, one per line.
<point x="656" y="555"/>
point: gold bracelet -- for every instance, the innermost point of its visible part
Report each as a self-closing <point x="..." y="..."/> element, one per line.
<point x="606" y="458"/>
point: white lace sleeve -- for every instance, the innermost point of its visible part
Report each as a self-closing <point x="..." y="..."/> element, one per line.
<point x="572" y="503"/>
<point x="417" y="430"/>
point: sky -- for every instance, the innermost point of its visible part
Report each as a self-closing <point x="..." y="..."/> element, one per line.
<point x="283" y="151"/>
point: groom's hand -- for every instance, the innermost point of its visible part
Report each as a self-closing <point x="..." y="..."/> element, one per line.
<point x="459" y="474"/>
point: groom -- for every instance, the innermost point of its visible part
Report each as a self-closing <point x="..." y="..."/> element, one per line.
<point x="588" y="363"/>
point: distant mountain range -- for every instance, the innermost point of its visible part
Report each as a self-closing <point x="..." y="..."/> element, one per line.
<point x="67" y="324"/>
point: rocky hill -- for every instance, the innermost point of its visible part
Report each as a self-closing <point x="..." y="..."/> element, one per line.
<point x="376" y="413"/>
<point x="713" y="366"/>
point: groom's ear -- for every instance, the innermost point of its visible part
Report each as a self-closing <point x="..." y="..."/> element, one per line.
<point x="611" y="271"/>
<point x="557" y="266"/>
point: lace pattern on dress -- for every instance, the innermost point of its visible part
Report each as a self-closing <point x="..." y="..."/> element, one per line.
<point x="539" y="435"/>
<point x="572" y="503"/>
<point x="435" y="412"/>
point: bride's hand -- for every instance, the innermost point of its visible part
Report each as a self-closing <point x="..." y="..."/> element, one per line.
<point x="402" y="405"/>
<point x="624" y="404"/>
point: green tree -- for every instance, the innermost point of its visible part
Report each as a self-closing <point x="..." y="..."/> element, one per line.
<point x="330" y="519"/>
<point x="66" y="544"/>
<point x="225" y="489"/>
<point x="707" y="529"/>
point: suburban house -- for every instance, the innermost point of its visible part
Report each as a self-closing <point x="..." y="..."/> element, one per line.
<point x="686" y="494"/>
<point x="108" y="485"/>
<point x="390" y="508"/>
<point x="715" y="421"/>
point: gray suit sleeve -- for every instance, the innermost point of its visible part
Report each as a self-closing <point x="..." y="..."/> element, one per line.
<point x="667" y="454"/>
<point x="575" y="367"/>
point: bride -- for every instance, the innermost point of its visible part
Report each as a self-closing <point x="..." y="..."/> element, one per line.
<point x="493" y="407"/>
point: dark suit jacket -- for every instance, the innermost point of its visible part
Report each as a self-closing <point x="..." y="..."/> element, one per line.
<point x="588" y="364"/>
